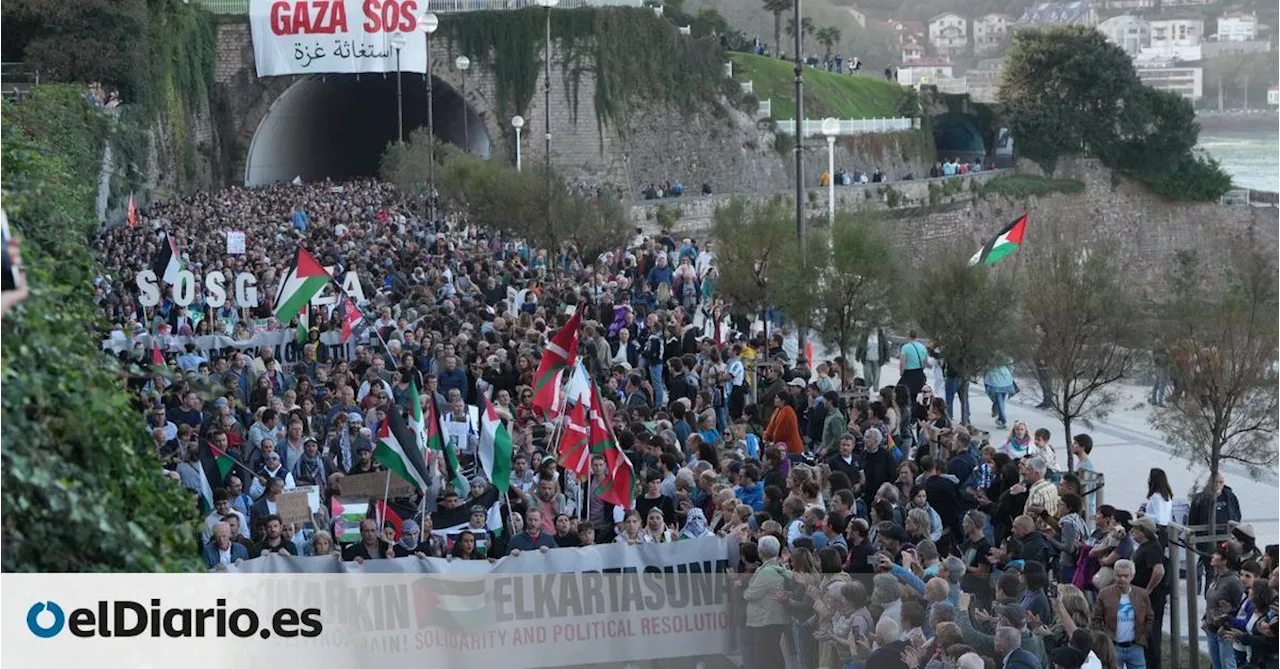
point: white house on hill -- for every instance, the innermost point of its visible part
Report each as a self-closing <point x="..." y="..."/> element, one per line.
<point x="949" y="33"/>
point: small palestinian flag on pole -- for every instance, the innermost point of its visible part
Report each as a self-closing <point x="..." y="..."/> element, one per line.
<point x="353" y="321"/>
<point x="167" y="261"/>
<point x="223" y="462"/>
<point x="1005" y="242"/>
<point x="397" y="452"/>
<point x="304" y="325"/>
<point x="304" y="280"/>
<point x="157" y="358"/>
<point x="495" y="446"/>
<point x="436" y="442"/>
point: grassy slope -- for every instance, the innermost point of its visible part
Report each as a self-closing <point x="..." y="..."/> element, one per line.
<point x="825" y="93"/>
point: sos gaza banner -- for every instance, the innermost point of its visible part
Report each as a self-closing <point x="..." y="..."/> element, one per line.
<point x="336" y="36"/>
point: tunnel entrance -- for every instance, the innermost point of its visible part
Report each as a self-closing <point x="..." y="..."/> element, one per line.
<point x="338" y="126"/>
<point x="958" y="135"/>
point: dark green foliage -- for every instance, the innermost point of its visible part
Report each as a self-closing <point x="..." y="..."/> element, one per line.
<point x="1064" y="91"/>
<point x="953" y="304"/>
<point x="501" y="198"/>
<point x="1022" y="186"/>
<point x="82" y="488"/>
<point x="1069" y="92"/>
<point x="632" y="54"/>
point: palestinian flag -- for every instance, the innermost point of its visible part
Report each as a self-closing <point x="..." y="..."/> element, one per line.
<point x="416" y="423"/>
<point x="436" y="442"/>
<point x="386" y="513"/>
<point x="157" y="358"/>
<point x="495" y="447"/>
<point x="347" y="512"/>
<point x="620" y="483"/>
<point x="1005" y="242"/>
<point x="167" y="262"/>
<point x="223" y="463"/>
<point x="451" y="603"/>
<point x="560" y="354"/>
<point x="304" y="280"/>
<point x="396" y="451"/>
<point x="304" y="325"/>
<point x="353" y="321"/>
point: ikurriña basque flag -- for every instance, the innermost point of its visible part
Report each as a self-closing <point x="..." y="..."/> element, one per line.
<point x="1002" y="244"/>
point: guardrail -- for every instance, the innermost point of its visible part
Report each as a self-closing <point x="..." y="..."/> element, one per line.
<point x="442" y="6"/>
<point x="856" y="126"/>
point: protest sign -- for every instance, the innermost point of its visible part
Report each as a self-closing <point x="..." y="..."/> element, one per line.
<point x="235" y="242"/>
<point x="336" y="36"/>
<point x="293" y="507"/>
<point x="282" y="342"/>
<point x="374" y="486"/>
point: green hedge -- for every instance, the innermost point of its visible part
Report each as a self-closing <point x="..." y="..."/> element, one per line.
<point x="82" y="490"/>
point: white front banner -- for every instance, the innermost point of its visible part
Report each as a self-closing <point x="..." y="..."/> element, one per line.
<point x="336" y="36"/>
<point x="594" y="605"/>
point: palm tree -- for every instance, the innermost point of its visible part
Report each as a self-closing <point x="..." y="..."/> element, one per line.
<point x="806" y="29"/>
<point x="777" y="7"/>
<point x="829" y="37"/>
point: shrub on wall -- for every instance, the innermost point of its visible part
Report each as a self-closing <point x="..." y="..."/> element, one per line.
<point x="82" y="488"/>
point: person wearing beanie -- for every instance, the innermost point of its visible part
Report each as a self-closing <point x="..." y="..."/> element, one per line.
<point x="1067" y="658"/>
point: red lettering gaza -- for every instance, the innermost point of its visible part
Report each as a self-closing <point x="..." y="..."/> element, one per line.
<point x="308" y="17"/>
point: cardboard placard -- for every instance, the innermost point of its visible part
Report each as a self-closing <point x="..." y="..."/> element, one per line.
<point x="293" y="507"/>
<point x="374" y="484"/>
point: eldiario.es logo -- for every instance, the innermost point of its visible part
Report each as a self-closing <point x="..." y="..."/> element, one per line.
<point x="124" y="618"/>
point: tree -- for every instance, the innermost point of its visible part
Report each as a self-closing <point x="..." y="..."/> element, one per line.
<point x="1221" y="333"/>
<point x="751" y="241"/>
<point x="777" y="7"/>
<point x="829" y="37"/>
<point x="953" y="303"/>
<point x="1064" y="90"/>
<point x="806" y="29"/>
<point x="1089" y="329"/>
<point x="502" y="198"/>
<point x="83" y="489"/>
<point x="858" y="268"/>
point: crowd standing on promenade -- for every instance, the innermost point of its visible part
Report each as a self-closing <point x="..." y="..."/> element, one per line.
<point x="875" y="529"/>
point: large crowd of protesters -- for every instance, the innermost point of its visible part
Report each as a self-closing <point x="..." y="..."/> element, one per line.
<point x="874" y="530"/>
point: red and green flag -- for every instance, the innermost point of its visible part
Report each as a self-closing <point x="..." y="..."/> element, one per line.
<point x="397" y="451"/>
<point x="496" y="447"/>
<point x="1002" y="244"/>
<point x="436" y="442"/>
<point x="560" y="354"/>
<point x="223" y="463"/>
<point x="304" y="280"/>
<point x="619" y="487"/>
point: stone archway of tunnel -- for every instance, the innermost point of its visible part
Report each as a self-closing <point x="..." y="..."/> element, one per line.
<point x="958" y="135"/>
<point x="338" y="126"/>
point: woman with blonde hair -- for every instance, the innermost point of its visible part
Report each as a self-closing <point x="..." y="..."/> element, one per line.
<point x="1071" y="611"/>
<point x="1018" y="445"/>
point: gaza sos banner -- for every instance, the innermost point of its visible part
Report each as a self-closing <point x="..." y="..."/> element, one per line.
<point x="336" y="36"/>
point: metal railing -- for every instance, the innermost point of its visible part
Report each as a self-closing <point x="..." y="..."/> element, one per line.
<point x="441" y="6"/>
<point x="16" y="80"/>
<point x="855" y="126"/>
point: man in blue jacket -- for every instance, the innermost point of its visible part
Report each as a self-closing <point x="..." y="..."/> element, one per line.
<point x="750" y="490"/>
<point x="221" y="550"/>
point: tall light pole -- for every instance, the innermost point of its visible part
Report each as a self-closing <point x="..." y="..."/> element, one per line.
<point x="802" y="337"/>
<point x="428" y="25"/>
<point x="517" y="122"/>
<point x="397" y="43"/>
<point x="463" y="64"/>
<point x="546" y="101"/>
<point x="831" y="128"/>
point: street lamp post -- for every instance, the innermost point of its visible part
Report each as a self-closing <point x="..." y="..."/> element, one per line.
<point x="831" y="128"/>
<point x="517" y="122"/>
<point x="463" y="64"/>
<point x="397" y="43"/>
<point x="800" y="232"/>
<point x="546" y="101"/>
<point x="428" y="25"/>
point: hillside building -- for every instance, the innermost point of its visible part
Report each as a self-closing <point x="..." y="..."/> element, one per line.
<point x="949" y="34"/>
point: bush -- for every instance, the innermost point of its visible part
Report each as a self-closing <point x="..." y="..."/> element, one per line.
<point x="1024" y="186"/>
<point x="502" y="198"/>
<point x="82" y="489"/>
<point x="783" y="143"/>
<point x="668" y="215"/>
<point x="1195" y="177"/>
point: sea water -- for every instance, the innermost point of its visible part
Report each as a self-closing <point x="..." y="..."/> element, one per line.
<point x="1251" y="156"/>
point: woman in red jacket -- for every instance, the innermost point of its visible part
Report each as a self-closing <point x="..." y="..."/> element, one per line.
<point x="784" y="426"/>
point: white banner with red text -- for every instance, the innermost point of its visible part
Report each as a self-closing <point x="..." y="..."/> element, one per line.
<point x="337" y="36"/>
